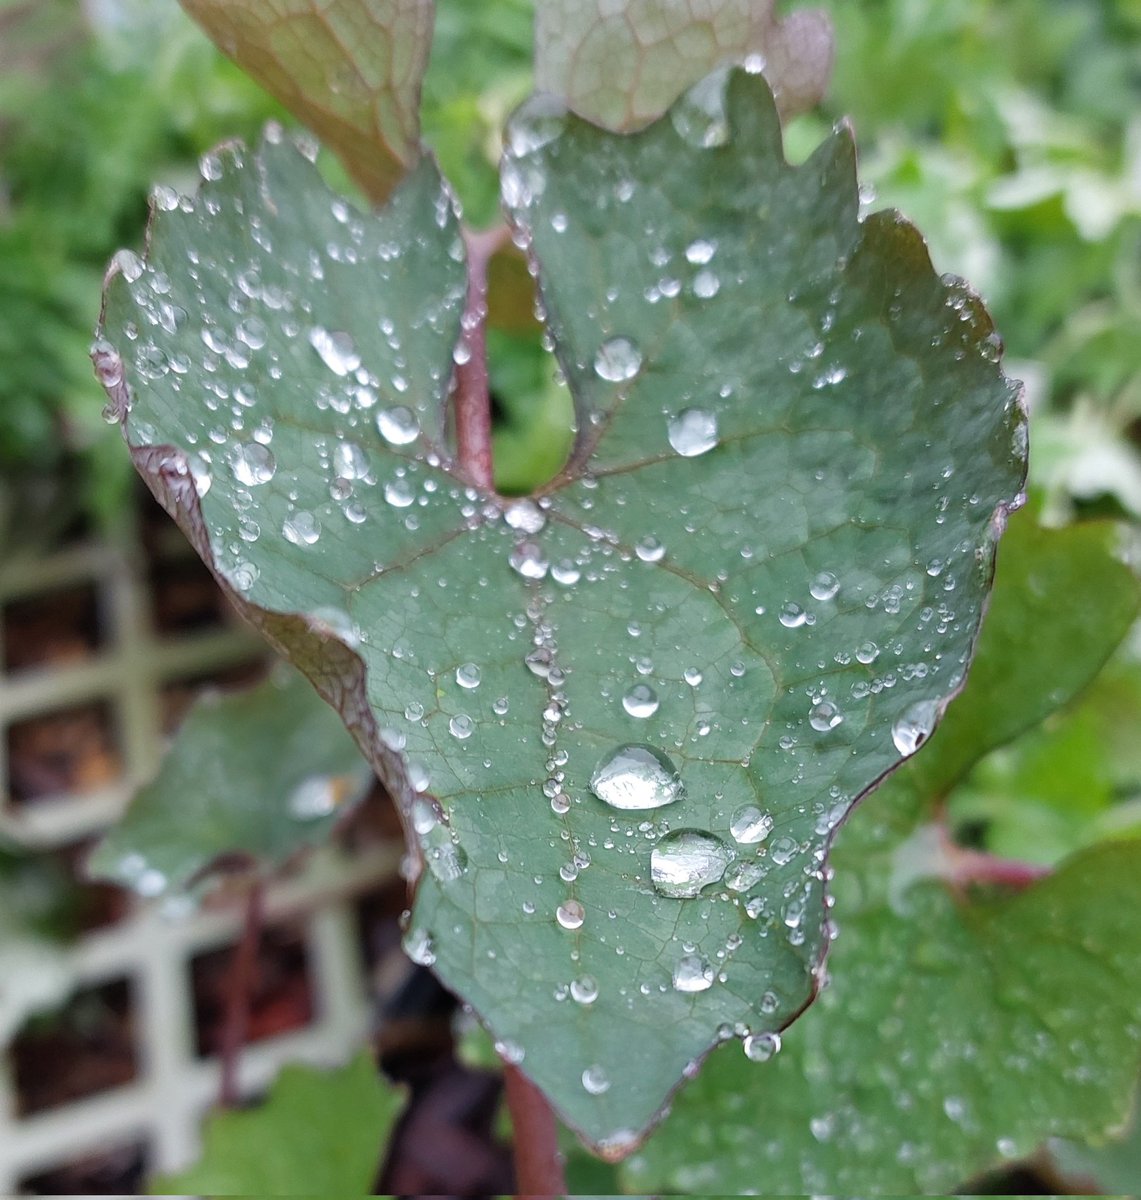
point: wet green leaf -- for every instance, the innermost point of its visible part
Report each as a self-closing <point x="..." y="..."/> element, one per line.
<point x="956" y="1034"/>
<point x="623" y="716"/>
<point x="262" y="774"/>
<point x="319" y="1133"/>
<point x="622" y="65"/>
<point x="349" y="69"/>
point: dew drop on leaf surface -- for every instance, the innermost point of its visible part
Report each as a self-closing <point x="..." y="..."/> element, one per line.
<point x="635" y="777"/>
<point x="686" y="861"/>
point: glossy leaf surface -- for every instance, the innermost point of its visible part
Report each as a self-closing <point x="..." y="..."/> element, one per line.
<point x="623" y="716"/>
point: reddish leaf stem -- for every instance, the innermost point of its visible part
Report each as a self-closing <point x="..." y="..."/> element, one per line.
<point x="473" y="397"/>
<point x="976" y="866"/>
<point x="538" y="1163"/>
<point x="243" y="975"/>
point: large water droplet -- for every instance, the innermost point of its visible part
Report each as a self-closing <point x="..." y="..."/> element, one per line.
<point x="634" y="777"/>
<point x="760" y="1047"/>
<point x="336" y="350"/>
<point x="398" y="426"/>
<point x="693" y="432"/>
<point x="692" y="974"/>
<point x="570" y="914"/>
<point x="527" y="559"/>
<point x="825" y="716"/>
<point x="349" y="461"/>
<point x="468" y="675"/>
<point x="824" y="586"/>
<point x="641" y="701"/>
<point x="686" y="861"/>
<point x="617" y="360"/>
<point x="461" y="726"/>
<point x="913" y="726"/>
<point x="749" y="825"/>
<point x="253" y="464"/>
<point x="584" y="990"/>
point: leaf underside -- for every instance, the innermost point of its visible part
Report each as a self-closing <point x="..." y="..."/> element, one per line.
<point x="794" y="453"/>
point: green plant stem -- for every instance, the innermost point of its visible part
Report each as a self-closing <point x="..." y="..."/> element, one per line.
<point x="538" y="1163"/>
<point x="473" y="396"/>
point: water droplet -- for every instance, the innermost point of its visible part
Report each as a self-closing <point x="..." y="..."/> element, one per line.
<point x="349" y="461"/>
<point x="540" y="120"/>
<point x="413" y="710"/>
<point x="398" y="426"/>
<point x="686" y="861"/>
<point x="742" y="874"/>
<point x="692" y="676"/>
<point x="867" y="652"/>
<point x="570" y="914"/>
<point x="749" y="825"/>
<point x="399" y="493"/>
<point x="461" y="726"/>
<point x="641" y="701"/>
<point x="595" y="1080"/>
<point x="913" y="726"/>
<point x="511" y="1052"/>
<point x="782" y="851"/>
<point x="692" y="974"/>
<point x="700" y="116"/>
<point x="336" y="350"/>
<point x="635" y="777"/>
<point x="525" y="516"/>
<point x="467" y="675"/>
<point x="824" y="586"/>
<point x="617" y="360"/>
<point x="825" y="716"/>
<point x="700" y="251"/>
<point x="706" y="285"/>
<point x="420" y="947"/>
<point x="314" y="798"/>
<point x="760" y="1047"/>
<point x="302" y="529"/>
<point x="584" y="990"/>
<point x="566" y="572"/>
<point x="527" y="559"/>
<point x="252" y="464"/>
<point x="650" y="550"/>
<point x="692" y="432"/>
<point x="792" y="616"/>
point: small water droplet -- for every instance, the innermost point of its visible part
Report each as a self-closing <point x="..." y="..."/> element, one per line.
<point x="525" y="516"/>
<point x="635" y="777"/>
<point x="302" y="528"/>
<point x="749" y="825"/>
<point x="700" y="116"/>
<point x="692" y="676"/>
<point x="398" y="426"/>
<point x="867" y="652"/>
<point x="913" y="726"/>
<point x="617" y="360"/>
<point x="570" y="914"/>
<point x="825" y="716"/>
<point x="349" y="461"/>
<point x="420" y="947"/>
<point x="700" y="251"/>
<point x="686" y="861"/>
<point x="461" y="726"/>
<point x="252" y="464"/>
<point x="792" y="616"/>
<point x="528" y="560"/>
<point x="692" y="432"/>
<point x="584" y="990"/>
<point x="336" y="350"/>
<point x="824" y="586"/>
<point x="595" y="1080"/>
<point x="650" y="550"/>
<point x="692" y="974"/>
<point x="760" y="1047"/>
<point x="467" y="675"/>
<point x="641" y="701"/>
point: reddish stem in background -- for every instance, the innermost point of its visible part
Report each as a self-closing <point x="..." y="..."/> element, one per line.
<point x="976" y="866"/>
<point x="243" y="977"/>
<point x="473" y="396"/>
<point x="538" y="1163"/>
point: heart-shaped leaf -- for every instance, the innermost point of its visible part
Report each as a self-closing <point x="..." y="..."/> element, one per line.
<point x="350" y="69"/>
<point x="622" y="65"/>
<point x="623" y="716"/>
<point x="262" y="774"/>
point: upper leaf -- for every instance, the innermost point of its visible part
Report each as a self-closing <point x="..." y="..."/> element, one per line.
<point x="624" y="716"/>
<point x="349" y="69"/>
<point x="262" y="774"/>
<point x="622" y="65"/>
